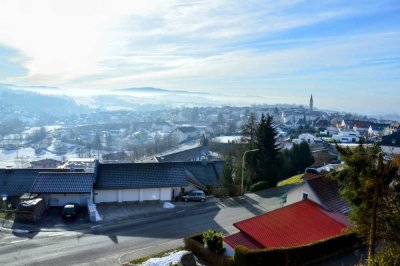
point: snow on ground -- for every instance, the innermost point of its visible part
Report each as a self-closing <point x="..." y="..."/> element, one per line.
<point x="20" y="158"/>
<point x="173" y="257"/>
<point x="227" y="139"/>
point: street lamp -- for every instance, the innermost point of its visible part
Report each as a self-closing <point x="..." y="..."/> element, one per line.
<point x="243" y="160"/>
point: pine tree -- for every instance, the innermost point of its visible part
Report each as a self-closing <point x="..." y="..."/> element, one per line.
<point x="372" y="188"/>
<point x="268" y="163"/>
<point x="249" y="131"/>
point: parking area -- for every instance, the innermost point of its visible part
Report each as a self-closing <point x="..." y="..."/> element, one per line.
<point x="119" y="211"/>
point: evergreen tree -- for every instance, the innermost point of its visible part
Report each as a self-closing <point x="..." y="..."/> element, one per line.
<point x="249" y="131"/>
<point x="268" y="163"/>
<point x="372" y="188"/>
<point x="228" y="170"/>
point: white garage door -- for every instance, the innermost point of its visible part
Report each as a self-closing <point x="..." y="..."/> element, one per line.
<point x="105" y="196"/>
<point x="151" y="194"/>
<point x="166" y="193"/>
<point x="130" y="195"/>
<point x="62" y="199"/>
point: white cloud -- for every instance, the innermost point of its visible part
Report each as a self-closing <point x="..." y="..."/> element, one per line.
<point x="199" y="45"/>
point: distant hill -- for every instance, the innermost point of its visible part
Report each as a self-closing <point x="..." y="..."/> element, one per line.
<point x="23" y="101"/>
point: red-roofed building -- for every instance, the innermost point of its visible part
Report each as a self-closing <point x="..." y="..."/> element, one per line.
<point x="298" y="224"/>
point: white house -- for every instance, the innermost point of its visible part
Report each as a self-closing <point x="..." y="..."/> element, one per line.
<point x="307" y="137"/>
<point x="347" y="136"/>
<point x="320" y="189"/>
<point x="184" y="133"/>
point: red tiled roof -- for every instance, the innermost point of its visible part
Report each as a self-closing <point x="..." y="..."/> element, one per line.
<point x="297" y="224"/>
<point x="242" y="239"/>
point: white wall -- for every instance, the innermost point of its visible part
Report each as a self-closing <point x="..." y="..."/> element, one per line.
<point x="105" y="196"/>
<point x="62" y="199"/>
<point x="296" y="194"/>
<point x="131" y="195"/>
<point x="166" y="194"/>
<point x="151" y="194"/>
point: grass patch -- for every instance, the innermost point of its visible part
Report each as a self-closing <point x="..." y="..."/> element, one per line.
<point x="158" y="255"/>
<point x="291" y="180"/>
<point x="9" y="215"/>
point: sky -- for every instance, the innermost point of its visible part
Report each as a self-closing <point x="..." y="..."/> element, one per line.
<point x="346" y="53"/>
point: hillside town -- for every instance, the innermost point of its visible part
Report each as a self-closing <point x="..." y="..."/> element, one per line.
<point x="115" y="167"/>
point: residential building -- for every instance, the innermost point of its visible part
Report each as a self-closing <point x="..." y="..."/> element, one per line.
<point x="302" y="223"/>
<point x="321" y="190"/>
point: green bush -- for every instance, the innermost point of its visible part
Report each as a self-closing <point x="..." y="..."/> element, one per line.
<point x="214" y="241"/>
<point x="388" y="256"/>
<point x="196" y="245"/>
<point x="259" y="186"/>
<point x="302" y="255"/>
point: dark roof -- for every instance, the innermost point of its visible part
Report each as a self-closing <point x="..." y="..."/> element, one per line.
<point x="194" y="182"/>
<point x="140" y="175"/>
<point x="186" y="155"/>
<point x="297" y="224"/>
<point x="16" y="182"/>
<point x="207" y="173"/>
<point x="392" y="140"/>
<point x="187" y="129"/>
<point x="153" y="175"/>
<point x="379" y="126"/>
<point x="67" y="182"/>
<point x="327" y="191"/>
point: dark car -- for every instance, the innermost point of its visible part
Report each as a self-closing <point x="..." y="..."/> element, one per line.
<point x="70" y="211"/>
<point x="195" y="195"/>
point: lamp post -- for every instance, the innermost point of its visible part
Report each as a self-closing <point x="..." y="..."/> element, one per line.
<point x="243" y="160"/>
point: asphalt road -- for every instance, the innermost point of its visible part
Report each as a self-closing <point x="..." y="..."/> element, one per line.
<point x="127" y="239"/>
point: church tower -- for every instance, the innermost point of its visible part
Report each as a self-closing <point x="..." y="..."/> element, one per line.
<point x="311" y="104"/>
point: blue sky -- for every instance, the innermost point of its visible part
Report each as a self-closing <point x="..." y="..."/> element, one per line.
<point x="347" y="53"/>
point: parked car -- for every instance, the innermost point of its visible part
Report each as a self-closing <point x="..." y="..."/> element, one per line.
<point x="70" y="210"/>
<point x="195" y="195"/>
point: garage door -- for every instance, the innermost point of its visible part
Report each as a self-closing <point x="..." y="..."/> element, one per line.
<point x="105" y="196"/>
<point x="57" y="200"/>
<point x="130" y="195"/>
<point x="151" y="194"/>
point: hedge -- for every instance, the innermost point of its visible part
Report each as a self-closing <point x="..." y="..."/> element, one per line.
<point x="196" y="245"/>
<point x="302" y="255"/>
<point x="259" y="186"/>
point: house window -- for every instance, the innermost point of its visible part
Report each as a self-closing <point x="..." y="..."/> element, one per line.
<point x="305" y="196"/>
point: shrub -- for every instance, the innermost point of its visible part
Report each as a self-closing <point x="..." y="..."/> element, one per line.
<point x="259" y="186"/>
<point x="213" y="240"/>
<point x="388" y="256"/>
<point x="196" y="245"/>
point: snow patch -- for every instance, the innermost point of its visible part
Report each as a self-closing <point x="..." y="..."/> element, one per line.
<point x="168" y="205"/>
<point x="173" y="257"/>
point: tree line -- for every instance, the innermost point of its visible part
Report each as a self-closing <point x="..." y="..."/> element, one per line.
<point x="264" y="161"/>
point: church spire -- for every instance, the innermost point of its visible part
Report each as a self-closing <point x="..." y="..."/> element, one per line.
<point x="311" y="104"/>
